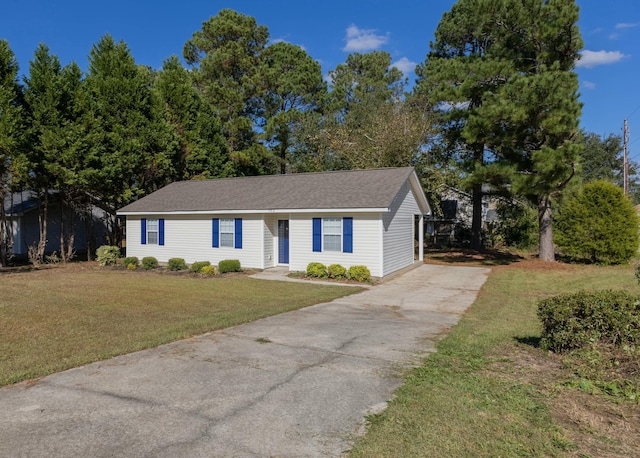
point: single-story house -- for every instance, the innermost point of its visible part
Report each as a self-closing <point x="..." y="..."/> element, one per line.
<point x="359" y="217"/>
<point x="22" y="212"/>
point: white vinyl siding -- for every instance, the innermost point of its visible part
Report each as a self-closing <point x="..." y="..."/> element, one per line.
<point x="367" y="230"/>
<point x="189" y="237"/>
<point x="270" y="240"/>
<point x="398" y="236"/>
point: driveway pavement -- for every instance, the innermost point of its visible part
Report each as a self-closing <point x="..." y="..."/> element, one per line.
<point x="293" y="385"/>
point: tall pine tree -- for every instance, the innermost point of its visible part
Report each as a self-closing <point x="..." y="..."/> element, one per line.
<point x="11" y="127"/>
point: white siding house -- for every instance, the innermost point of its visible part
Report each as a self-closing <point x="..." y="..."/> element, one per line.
<point x="359" y="217"/>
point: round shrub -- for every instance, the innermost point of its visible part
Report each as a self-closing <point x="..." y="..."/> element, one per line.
<point x="130" y="260"/>
<point x="176" y="264"/>
<point x="229" y="265"/>
<point x="337" y="271"/>
<point x="572" y="321"/>
<point x="600" y="225"/>
<point x="208" y="270"/>
<point x="317" y="269"/>
<point x="107" y="255"/>
<point x="131" y="266"/>
<point x="359" y="273"/>
<point x="197" y="266"/>
<point x="149" y="262"/>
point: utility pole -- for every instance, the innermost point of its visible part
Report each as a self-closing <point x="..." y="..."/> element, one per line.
<point x="626" y="158"/>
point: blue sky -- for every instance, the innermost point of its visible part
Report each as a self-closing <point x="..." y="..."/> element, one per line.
<point x="329" y="30"/>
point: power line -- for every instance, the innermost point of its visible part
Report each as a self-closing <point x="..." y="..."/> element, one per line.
<point x="633" y="112"/>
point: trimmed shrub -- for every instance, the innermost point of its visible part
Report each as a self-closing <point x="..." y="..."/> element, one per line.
<point x="107" y="255"/>
<point x="359" y="273"/>
<point x="131" y="266"/>
<point x="175" y="264"/>
<point x="572" y="321"/>
<point x="317" y="269"/>
<point x="600" y="225"/>
<point x="197" y="266"/>
<point x="208" y="270"/>
<point x="149" y="262"/>
<point x="336" y="271"/>
<point x="129" y="260"/>
<point x="229" y="265"/>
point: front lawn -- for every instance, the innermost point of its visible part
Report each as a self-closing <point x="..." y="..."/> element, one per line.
<point x="65" y="316"/>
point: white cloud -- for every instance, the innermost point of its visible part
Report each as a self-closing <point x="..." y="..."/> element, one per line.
<point x="589" y="85"/>
<point x="362" y="40"/>
<point x="594" y="58"/>
<point x="627" y="25"/>
<point x="404" y="65"/>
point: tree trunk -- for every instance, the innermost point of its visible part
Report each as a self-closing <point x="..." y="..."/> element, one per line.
<point x="476" y="201"/>
<point x="546" y="250"/>
<point x="476" y="217"/>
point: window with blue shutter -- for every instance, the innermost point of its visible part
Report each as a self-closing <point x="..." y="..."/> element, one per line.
<point x="347" y="235"/>
<point x="333" y="234"/>
<point x="317" y="234"/>
<point x="226" y="232"/>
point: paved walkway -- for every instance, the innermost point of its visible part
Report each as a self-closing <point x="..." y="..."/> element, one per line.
<point x="293" y="385"/>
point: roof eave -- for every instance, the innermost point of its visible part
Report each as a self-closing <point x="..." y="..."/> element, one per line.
<point x="254" y="212"/>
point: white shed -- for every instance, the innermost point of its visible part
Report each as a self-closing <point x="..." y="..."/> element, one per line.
<point x="368" y="217"/>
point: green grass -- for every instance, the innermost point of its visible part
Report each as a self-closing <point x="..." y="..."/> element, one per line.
<point x="55" y="319"/>
<point x="458" y="404"/>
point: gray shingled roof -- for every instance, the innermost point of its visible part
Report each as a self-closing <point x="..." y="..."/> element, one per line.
<point x="372" y="188"/>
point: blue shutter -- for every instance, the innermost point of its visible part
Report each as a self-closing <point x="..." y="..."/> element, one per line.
<point x="161" y="231"/>
<point x="347" y="235"/>
<point x="238" y="230"/>
<point x="317" y="234"/>
<point x="143" y="233"/>
<point x="215" y="240"/>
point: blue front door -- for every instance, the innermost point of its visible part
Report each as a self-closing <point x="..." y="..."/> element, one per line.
<point x="283" y="241"/>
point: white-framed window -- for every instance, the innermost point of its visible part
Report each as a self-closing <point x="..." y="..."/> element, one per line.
<point x="226" y="232"/>
<point x="332" y="234"/>
<point x="152" y="231"/>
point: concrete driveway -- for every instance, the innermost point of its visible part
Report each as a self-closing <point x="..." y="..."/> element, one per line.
<point x="293" y="385"/>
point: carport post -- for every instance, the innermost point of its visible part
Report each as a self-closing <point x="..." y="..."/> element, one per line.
<point x="421" y="239"/>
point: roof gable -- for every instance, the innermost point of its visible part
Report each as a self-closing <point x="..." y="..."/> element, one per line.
<point x="371" y="188"/>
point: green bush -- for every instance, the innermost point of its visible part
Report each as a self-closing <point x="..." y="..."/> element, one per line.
<point x="229" y="265"/>
<point x="131" y="266"/>
<point x="130" y="260"/>
<point x="337" y="271"/>
<point x="175" y="264"/>
<point x="208" y="270"/>
<point x="638" y="273"/>
<point x="359" y="273"/>
<point x="149" y="262"/>
<point x="517" y="224"/>
<point x="317" y="269"/>
<point x="107" y="255"/>
<point x="600" y="224"/>
<point x="197" y="266"/>
<point x="572" y="321"/>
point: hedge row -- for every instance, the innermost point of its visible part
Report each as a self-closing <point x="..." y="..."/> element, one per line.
<point x="336" y="271"/>
<point x="109" y="256"/>
<point x="572" y="321"/>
